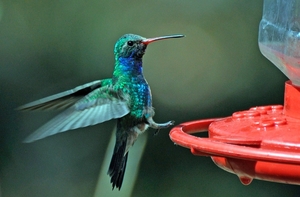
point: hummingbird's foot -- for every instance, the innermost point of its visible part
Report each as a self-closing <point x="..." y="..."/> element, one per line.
<point x="158" y="126"/>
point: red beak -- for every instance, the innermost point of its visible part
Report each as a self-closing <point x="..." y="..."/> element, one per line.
<point x="149" y="40"/>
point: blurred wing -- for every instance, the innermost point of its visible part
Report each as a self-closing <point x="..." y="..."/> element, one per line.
<point x="86" y="112"/>
<point x="64" y="99"/>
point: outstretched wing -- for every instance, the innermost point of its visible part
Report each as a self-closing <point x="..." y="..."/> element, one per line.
<point x="64" y="99"/>
<point x="98" y="106"/>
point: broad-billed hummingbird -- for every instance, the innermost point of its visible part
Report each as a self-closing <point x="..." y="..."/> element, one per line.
<point x="125" y="97"/>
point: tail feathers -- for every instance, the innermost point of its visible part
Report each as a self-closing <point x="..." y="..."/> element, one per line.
<point x="118" y="165"/>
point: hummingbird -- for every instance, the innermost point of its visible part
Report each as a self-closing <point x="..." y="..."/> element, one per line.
<point x="125" y="97"/>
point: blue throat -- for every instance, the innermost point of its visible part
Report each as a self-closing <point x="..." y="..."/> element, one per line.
<point x="129" y="67"/>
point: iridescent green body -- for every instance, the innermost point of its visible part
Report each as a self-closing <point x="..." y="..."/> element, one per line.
<point x="125" y="97"/>
<point x="130" y="80"/>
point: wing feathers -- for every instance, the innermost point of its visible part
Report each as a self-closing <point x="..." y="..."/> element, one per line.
<point x="62" y="100"/>
<point x="73" y="119"/>
<point x="97" y="106"/>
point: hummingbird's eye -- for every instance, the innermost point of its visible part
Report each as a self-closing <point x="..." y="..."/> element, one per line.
<point x="130" y="43"/>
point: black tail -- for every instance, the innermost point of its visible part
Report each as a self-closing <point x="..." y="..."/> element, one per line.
<point x="118" y="164"/>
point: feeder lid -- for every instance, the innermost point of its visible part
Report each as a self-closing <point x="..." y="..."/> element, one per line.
<point x="265" y="126"/>
<point x="265" y="133"/>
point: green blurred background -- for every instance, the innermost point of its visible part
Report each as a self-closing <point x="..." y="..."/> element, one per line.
<point x="50" y="46"/>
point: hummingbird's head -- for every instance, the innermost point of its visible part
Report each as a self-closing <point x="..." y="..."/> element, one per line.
<point x="134" y="46"/>
<point x="130" y="46"/>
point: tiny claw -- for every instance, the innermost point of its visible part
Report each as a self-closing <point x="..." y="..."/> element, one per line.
<point x="156" y="131"/>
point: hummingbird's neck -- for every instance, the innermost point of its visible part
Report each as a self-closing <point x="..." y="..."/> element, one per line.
<point x="128" y="67"/>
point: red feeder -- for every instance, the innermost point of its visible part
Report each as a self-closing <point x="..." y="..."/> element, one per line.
<point x="261" y="143"/>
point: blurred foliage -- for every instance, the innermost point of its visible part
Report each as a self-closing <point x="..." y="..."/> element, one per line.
<point x="50" y="46"/>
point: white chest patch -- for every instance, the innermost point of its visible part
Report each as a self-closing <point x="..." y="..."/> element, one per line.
<point x="140" y="128"/>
